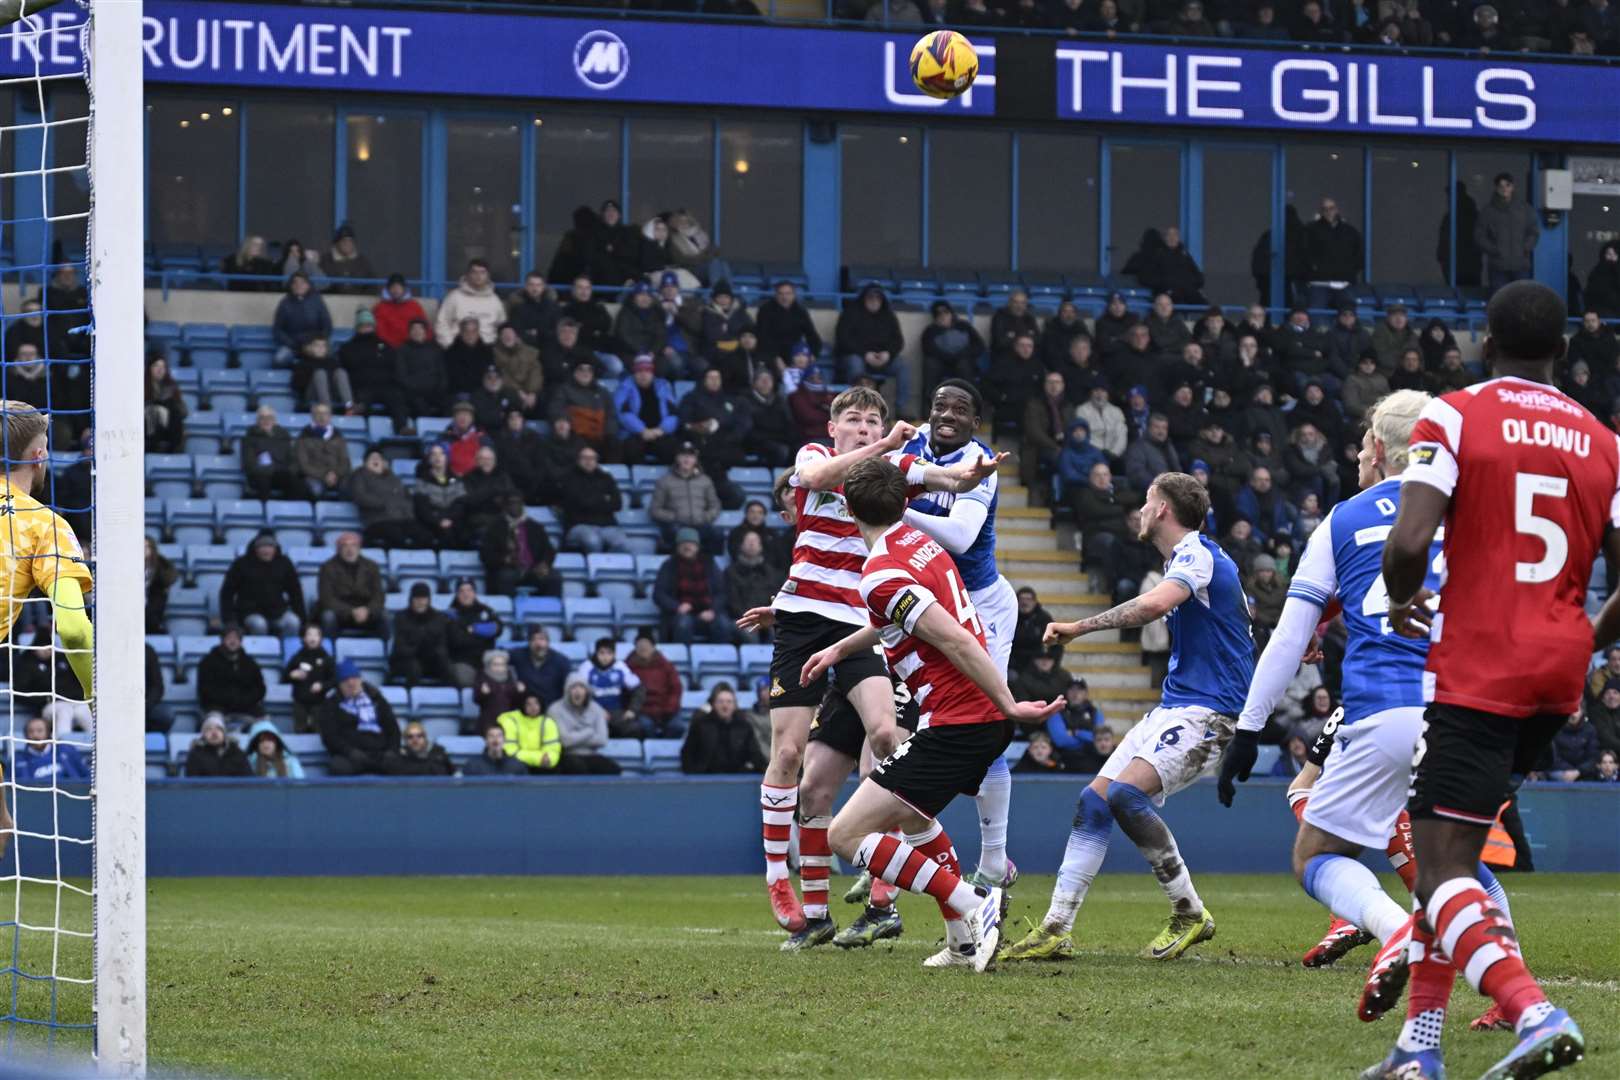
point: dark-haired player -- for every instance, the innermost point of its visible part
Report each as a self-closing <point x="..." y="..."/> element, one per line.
<point x="932" y="639"/>
<point x="1211" y="662"/>
<point x="1527" y="484"/>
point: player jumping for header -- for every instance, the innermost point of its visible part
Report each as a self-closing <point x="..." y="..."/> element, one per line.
<point x="1527" y="484"/>
<point x="39" y="551"/>
<point x="1211" y="661"/>
<point x="933" y="639"/>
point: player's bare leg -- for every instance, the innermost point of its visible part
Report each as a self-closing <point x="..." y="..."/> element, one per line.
<point x="779" y="802"/>
<point x="924" y="863"/>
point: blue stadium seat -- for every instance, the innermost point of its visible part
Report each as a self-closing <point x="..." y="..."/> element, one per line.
<point x="157" y="754"/>
<point x="225" y="391"/>
<point x="692" y="700"/>
<point x="628" y="753"/>
<point x="255" y="360"/>
<point x="611" y="567"/>
<point x="870" y="275"/>
<point x="190" y="521"/>
<point x="209" y="559"/>
<point x="188" y="650"/>
<point x="168" y="476"/>
<point x="647" y="567"/>
<point x="293" y="520"/>
<point x="458" y="564"/>
<point x="531" y="610"/>
<point x="662" y="755"/>
<point x="412" y="564"/>
<point x="462" y="748"/>
<point x="398" y="698"/>
<point x="218" y="476"/>
<point x="755" y="659"/>
<point x="570" y="564"/>
<point x="439" y="728"/>
<point x="587" y="615"/>
<point x="437" y="703"/>
<point x="332" y="518"/>
<point x="239" y="520"/>
<point x="187" y="612"/>
<point x="500" y="605"/>
<point x="307" y="558"/>
<point x="574" y="652"/>
<point x="714" y="660"/>
<point x="267" y="651"/>
<point x="202" y="433"/>
<point x="634" y="612"/>
<point x="251" y="336"/>
<point x="370" y="653"/>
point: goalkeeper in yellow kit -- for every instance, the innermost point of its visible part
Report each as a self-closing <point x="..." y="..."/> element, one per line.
<point x="39" y="551"/>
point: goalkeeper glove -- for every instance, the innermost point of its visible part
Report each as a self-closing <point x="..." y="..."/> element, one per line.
<point x="1237" y="763"/>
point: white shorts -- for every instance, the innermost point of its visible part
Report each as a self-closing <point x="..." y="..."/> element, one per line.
<point x="997" y="606"/>
<point x="1364" y="780"/>
<point x="1180" y="743"/>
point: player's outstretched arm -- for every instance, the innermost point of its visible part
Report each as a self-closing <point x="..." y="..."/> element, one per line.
<point x="1606" y="627"/>
<point x="829" y="472"/>
<point x="864" y="638"/>
<point x="73" y="626"/>
<point x="1156" y="603"/>
<point x="1406" y="557"/>
<point x="962" y="477"/>
<point x="969" y="657"/>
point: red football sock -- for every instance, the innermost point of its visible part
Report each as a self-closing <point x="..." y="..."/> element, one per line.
<point x="1482" y="944"/>
<point x="933" y="843"/>
<point x="898" y="863"/>
<point x="1298" y="807"/>
<point x="1431" y="973"/>
<point x="777" y="805"/>
<point x="1399" y="851"/>
<point x="884" y="894"/>
<point x="815" y="865"/>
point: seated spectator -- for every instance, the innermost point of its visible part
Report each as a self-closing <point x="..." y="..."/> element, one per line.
<point x="595" y="325"/>
<point x="1452" y="376"/>
<point x="951" y="347"/>
<point x="521" y="452"/>
<point x="421" y="651"/>
<point x="541" y="668"/>
<point x="371" y="364"/>
<point x="268" y="755"/>
<point x="1318" y="707"/>
<point x="300" y="318"/>
<point x="312" y="673"/>
<point x="419" y="755"/>
<point x="1151" y="454"/>
<point x="685" y="498"/>
<point x="638" y="330"/>
<point x="1046" y="428"/>
<point x="159" y="717"/>
<point x="166" y="409"/>
<point x="1595" y="344"/>
<point x="660" y="685"/>
<point x="267" y="459"/>
<point x="215" y="754"/>
<point x="41" y="761"/>
<point x="690" y="593"/>
<point x="1409" y="374"/>
<point x="1608" y="768"/>
<point x="1347" y="340"/>
<point x="524" y="741"/>
<point x="320" y="377"/>
<point x="1240" y="544"/>
<point x="711" y="419"/>
<point x="533" y="738"/>
<point x="296" y="259"/>
<point x="563" y="352"/>
<point x="755" y="521"/>
<point x="791" y="374"/>
<point x="689" y="244"/>
<point x="492" y="401"/>
<point x="617" y="689"/>
<point x="439" y="498"/>
<point x="161" y="575"/>
<point x="518" y="365"/>
<point x="1162" y="264"/>
<point x="347" y="261"/>
<point x="811" y="406"/>
<point x="358" y="727"/>
<point x="262" y="591"/>
<point x="1264" y="508"/>
<point x="230" y="686"/>
<point x="1292" y="759"/>
<point x="582" y="725"/>
<point x="395" y="311"/>
<point x="466" y="359"/>
<point x="350" y="592"/>
<point x="1045" y="678"/>
<point x="751" y="581"/>
<point x="1039" y="756"/>
<point x="869" y="342"/>
<point x="1364" y="386"/>
<point x="724" y="322"/>
<point x="387" y="510"/>
<point x="472" y="298"/>
<point x="488" y="489"/>
<point x="589" y="503"/>
<point x="321" y="454"/>
<point x="474" y="629"/>
<point x="252" y="259"/>
<point x="766" y="420"/>
<point x="1073" y="729"/>
<point x="1099" y="515"/>
<point x="1603" y="283"/>
<point x="27" y="329"/>
<point x="1059" y="334"/>
<point x="614" y="252"/>
<point x="1437" y="338"/>
<point x="588" y="407"/>
<point x="1311" y="466"/>
<point x="1031" y="626"/>
<point x="1107" y="422"/>
<point x="1267" y="592"/>
<point x="533" y="310"/>
<point x="719" y="739"/>
<point x="647" y="414"/>
<point x="782" y="322"/>
<point x="1014" y="378"/>
<point x="1574" y="750"/>
<point x="422" y="373"/>
<point x="498" y="690"/>
<point x="463" y="438"/>
<point x="517" y="553"/>
<point x="1391" y="337"/>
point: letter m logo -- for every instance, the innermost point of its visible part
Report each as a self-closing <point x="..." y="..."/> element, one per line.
<point x="603" y="59"/>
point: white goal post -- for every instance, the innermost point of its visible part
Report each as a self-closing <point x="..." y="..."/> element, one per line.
<point x="117" y="166"/>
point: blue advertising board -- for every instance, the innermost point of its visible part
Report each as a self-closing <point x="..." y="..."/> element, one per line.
<point x="622" y="61"/>
<point x="1465" y="97"/>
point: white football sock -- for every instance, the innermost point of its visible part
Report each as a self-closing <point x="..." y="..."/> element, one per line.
<point x="1351" y="891"/>
<point x="995" y="795"/>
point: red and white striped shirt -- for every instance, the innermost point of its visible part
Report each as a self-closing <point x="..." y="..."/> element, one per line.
<point x="906" y="574"/>
<point x="828" y="552"/>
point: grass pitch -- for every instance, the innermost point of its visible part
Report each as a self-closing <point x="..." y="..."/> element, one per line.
<point x="680" y="976"/>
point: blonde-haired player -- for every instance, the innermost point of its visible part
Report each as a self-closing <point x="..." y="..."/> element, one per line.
<point x="39" y="551"/>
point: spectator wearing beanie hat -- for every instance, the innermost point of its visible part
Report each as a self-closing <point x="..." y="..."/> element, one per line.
<point x="213" y="753"/>
<point x="358" y="727"/>
<point x="370" y="363"/>
<point x="614" y="255"/>
<point x="346" y="261"/>
<point x="395" y="311"/>
<point x="639" y="328"/>
<point x="420" y="372"/>
<point x="690" y="594"/>
<point x="262" y="590"/>
<point x="421" y="641"/>
<point x="647" y="412"/>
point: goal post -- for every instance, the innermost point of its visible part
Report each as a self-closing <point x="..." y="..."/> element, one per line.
<point x="117" y="170"/>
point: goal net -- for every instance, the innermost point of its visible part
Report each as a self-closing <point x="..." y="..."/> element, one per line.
<point x="72" y="929"/>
